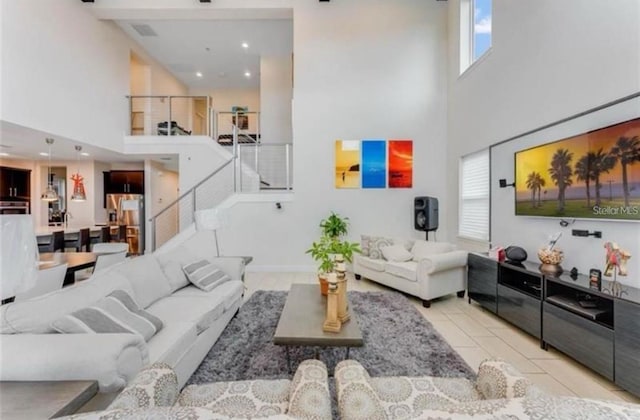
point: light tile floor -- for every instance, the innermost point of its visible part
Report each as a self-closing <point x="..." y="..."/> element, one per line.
<point x="477" y="334"/>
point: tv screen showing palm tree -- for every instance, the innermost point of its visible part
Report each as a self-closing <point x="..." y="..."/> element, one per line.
<point x="591" y="175"/>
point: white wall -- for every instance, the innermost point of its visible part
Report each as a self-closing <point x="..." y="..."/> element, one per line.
<point x="379" y="72"/>
<point x="68" y="73"/>
<point x="100" y="212"/>
<point x="549" y="60"/>
<point x="276" y="93"/>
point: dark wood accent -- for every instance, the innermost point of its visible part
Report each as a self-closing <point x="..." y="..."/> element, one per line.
<point x="520" y="309"/>
<point x="482" y="281"/>
<point x="55" y="242"/>
<point x="627" y="345"/>
<point x="124" y="182"/>
<point x="588" y="342"/>
<point x="15" y="183"/>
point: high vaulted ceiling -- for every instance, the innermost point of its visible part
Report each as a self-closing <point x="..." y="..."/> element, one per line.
<point x="214" y="48"/>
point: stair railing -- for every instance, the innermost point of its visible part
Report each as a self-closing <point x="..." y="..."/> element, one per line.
<point x="179" y="214"/>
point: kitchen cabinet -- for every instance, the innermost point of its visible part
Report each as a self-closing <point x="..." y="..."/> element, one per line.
<point x="124" y="182"/>
<point x="15" y="183"/>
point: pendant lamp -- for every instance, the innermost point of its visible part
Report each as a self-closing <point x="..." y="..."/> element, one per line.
<point x="49" y="194"/>
<point x="79" y="193"/>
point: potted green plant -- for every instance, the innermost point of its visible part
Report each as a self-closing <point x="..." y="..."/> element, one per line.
<point x="330" y="245"/>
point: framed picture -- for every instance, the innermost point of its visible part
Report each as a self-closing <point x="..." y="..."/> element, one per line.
<point x="347" y="164"/>
<point x="400" y="163"/>
<point x="374" y="164"/>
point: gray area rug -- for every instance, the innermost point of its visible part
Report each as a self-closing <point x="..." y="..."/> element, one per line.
<point x="398" y="342"/>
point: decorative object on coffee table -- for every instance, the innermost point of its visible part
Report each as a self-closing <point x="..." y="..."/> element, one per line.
<point x="324" y="251"/>
<point x="332" y="323"/>
<point x="551" y="257"/>
<point x="340" y="268"/>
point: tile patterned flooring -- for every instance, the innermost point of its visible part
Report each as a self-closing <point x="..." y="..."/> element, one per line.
<point x="477" y="334"/>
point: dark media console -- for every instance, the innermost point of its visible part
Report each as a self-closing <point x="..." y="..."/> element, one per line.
<point x="594" y="327"/>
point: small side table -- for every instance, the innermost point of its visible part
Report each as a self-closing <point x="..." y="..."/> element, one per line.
<point x="44" y="399"/>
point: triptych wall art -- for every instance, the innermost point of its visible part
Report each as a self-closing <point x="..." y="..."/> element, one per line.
<point x="374" y="163"/>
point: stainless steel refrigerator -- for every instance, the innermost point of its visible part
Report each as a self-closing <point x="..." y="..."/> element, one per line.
<point x="128" y="210"/>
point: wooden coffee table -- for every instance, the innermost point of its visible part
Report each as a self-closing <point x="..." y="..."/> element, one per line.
<point x="301" y="322"/>
<point x="44" y="400"/>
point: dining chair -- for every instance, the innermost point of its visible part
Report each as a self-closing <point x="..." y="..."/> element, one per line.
<point x="55" y="243"/>
<point x="110" y="253"/>
<point x="105" y="260"/>
<point x="110" y="247"/>
<point x="82" y="241"/>
<point x="48" y="280"/>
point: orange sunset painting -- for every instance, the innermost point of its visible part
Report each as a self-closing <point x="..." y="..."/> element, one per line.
<point x="400" y="163"/>
<point x="347" y="168"/>
<point x="591" y="175"/>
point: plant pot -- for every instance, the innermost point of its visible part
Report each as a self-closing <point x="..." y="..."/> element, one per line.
<point x="324" y="285"/>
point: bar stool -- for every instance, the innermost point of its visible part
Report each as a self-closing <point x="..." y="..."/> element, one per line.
<point x="82" y="241"/>
<point x="122" y="234"/>
<point x="102" y="237"/>
<point x="56" y="243"/>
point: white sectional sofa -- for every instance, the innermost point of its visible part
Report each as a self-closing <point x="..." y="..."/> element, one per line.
<point x="427" y="270"/>
<point x="31" y="350"/>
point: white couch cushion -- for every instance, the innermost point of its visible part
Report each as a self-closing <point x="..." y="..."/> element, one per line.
<point x="202" y="311"/>
<point x="172" y="342"/>
<point x="422" y="249"/>
<point x="372" y="264"/>
<point x="406" y="270"/>
<point x="171" y="264"/>
<point x="230" y="292"/>
<point x="35" y="315"/>
<point x="115" y="313"/>
<point x="396" y="253"/>
<point x="147" y="279"/>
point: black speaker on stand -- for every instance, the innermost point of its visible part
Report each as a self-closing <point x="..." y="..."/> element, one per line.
<point x="425" y="214"/>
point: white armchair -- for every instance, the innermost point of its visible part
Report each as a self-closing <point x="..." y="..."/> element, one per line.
<point x="427" y="270"/>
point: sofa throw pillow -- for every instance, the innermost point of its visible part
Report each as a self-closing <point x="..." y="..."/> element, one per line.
<point x="205" y="275"/>
<point x="364" y="245"/>
<point x="375" y="243"/>
<point x="396" y="253"/>
<point x="116" y="313"/>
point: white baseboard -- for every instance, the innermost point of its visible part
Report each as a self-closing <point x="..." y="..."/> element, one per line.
<point x="251" y="268"/>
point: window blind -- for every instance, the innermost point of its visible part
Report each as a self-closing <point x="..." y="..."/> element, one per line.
<point x="473" y="220"/>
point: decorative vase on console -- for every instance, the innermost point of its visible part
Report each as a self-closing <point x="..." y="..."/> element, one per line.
<point x="551" y="257"/>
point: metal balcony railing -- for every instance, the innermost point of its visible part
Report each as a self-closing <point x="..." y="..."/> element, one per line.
<point x="166" y="115"/>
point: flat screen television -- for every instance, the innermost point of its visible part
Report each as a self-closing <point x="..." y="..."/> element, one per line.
<point x="594" y="175"/>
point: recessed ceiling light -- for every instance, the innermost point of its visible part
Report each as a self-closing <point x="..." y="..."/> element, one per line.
<point x="44" y="154"/>
<point x="4" y="154"/>
<point x="85" y="154"/>
<point x="245" y="45"/>
<point x="198" y="74"/>
<point x="247" y="74"/>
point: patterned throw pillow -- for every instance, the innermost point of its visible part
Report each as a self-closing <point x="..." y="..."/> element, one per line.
<point x="116" y="313"/>
<point x="375" y="243"/>
<point x="205" y="275"/>
<point x="364" y="245"/>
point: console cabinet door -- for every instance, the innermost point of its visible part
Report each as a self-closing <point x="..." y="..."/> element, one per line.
<point x="482" y="281"/>
<point x="584" y="340"/>
<point x="627" y="349"/>
<point x="520" y="309"/>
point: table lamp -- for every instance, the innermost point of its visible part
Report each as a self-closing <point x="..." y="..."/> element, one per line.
<point x="210" y="219"/>
<point x="18" y="254"/>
